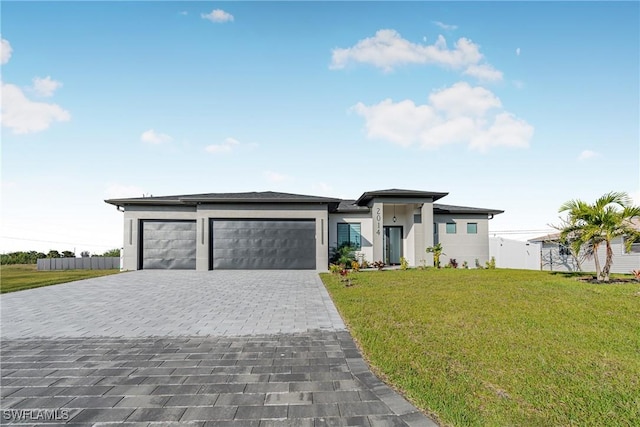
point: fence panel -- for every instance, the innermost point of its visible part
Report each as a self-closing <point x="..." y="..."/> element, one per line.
<point x="93" y="263"/>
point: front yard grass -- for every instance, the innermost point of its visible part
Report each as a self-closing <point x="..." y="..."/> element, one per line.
<point x="500" y="347"/>
<point x="19" y="277"/>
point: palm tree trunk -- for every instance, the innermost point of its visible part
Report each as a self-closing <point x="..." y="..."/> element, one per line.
<point x="596" y="260"/>
<point x="608" y="261"/>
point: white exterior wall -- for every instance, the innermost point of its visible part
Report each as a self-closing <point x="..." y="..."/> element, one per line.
<point x="428" y="236"/>
<point x="366" y="230"/>
<point x="132" y="217"/>
<point x="515" y="253"/>
<point x="462" y="246"/>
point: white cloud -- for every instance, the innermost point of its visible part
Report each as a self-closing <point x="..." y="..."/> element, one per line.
<point x="225" y="147"/>
<point x="518" y="51"/>
<point x="506" y="130"/>
<point x="45" y="86"/>
<point x="587" y="154"/>
<point x="22" y="115"/>
<point x="444" y="26"/>
<point x="484" y="72"/>
<point x="387" y="49"/>
<point x="5" y="51"/>
<point x="276" y="177"/>
<point x="184" y="13"/>
<point x="119" y="191"/>
<point x="462" y="99"/>
<point x="152" y="137"/>
<point x="217" y="15"/>
<point x="458" y="114"/>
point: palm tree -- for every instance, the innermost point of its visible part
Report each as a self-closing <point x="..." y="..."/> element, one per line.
<point x="436" y="250"/>
<point x="589" y="225"/>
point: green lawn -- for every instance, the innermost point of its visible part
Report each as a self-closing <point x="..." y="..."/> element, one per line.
<point x="25" y="276"/>
<point x="500" y="347"/>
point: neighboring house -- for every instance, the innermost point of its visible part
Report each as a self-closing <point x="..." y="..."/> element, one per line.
<point x="268" y="230"/>
<point x="557" y="257"/>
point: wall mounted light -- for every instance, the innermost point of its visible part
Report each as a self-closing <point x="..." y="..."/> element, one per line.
<point x="394" y="214"/>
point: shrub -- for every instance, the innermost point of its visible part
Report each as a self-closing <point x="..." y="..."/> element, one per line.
<point x="343" y="254"/>
<point x="478" y="265"/>
<point x="378" y="264"/>
<point x="404" y="264"/>
<point x="465" y="264"/>
<point x="334" y="268"/>
<point x="453" y="263"/>
<point x="355" y="266"/>
<point x="491" y="264"/>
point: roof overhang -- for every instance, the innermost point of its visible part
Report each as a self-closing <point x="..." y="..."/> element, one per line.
<point x="450" y="209"/>
<point x="399" y="196"/>
<point x="225" y="198"/>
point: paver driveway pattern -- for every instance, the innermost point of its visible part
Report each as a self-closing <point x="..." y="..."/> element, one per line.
<point x="227" y="348"/>
<point x="173" y="303"/>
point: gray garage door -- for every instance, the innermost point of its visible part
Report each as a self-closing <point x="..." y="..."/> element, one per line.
<point x="263" y="244"/>
<point x="168" y="245"/>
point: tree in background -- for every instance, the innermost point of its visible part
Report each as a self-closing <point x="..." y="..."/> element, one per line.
<point x="53" y="254"/>
<point x="85" y="254"/>
<point x="112" y="253"/>
<point x="21" y="257"/>
<point x="68" y="254"/>
<point x="587" y="226"/>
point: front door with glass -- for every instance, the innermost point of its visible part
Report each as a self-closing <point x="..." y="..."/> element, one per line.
<point x="392" y="245"/>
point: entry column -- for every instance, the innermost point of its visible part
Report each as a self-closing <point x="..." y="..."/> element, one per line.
<point x="377" y="213"/>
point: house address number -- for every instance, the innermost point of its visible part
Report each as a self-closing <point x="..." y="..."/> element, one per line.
<point x="378" y="219"/>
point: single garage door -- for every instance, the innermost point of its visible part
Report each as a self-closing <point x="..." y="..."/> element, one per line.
<point x="263" y="244"/>
<point x="168" y="245"/>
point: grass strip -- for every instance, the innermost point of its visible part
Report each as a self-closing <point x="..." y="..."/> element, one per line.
<point x="20" y="277"/>
<point x="500" y="347"/>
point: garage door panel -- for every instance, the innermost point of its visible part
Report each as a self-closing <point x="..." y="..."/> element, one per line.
<point x="263" y="244"/>
<point x="169" y="245"/>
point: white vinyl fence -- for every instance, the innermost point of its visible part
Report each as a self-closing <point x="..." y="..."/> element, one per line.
<point x="515" y="253"/>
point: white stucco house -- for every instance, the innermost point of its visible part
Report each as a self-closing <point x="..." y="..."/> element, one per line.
<point x="269" y="230"/>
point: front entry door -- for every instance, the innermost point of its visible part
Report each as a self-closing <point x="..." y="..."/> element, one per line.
<point x="392" y="245"/>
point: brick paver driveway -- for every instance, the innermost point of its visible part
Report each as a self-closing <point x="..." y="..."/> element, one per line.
<point x="247" y="348"/>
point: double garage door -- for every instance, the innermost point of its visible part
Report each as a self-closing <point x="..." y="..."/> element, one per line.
<point x="234" y="244"/>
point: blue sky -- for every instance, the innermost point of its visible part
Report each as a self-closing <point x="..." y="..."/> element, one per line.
<point x="505" y="105"/>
